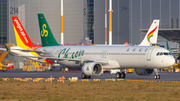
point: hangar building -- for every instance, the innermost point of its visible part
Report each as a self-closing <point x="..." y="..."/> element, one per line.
<point x="85" y="19"/>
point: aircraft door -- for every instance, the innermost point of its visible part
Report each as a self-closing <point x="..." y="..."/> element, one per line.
<point x="148" y="54"/>
<point x="103" y="54"/>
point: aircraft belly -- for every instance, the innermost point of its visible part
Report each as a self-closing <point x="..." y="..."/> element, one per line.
<point x="70" y="64"/>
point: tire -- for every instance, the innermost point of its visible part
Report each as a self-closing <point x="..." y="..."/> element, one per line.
<point x="66" y="69"/>
<point x="88" y="77"/>
<point x="118" y="75"/>
<point x="83" y="76"/>
<point x="62" y="69"/>
<point x="123" y="75"/>
<point x="157" y="76"/>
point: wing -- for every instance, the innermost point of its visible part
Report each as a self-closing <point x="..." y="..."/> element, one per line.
<point x="101" y="61"/>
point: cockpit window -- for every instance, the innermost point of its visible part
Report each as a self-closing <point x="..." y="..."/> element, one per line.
<point x="157" y="54"/>
<point x="170" y="53"/>
<point x="163" y="53"/>
<point x="166" y="54"/>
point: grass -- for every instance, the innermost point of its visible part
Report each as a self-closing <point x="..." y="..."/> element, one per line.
<point x="89" y="91"/>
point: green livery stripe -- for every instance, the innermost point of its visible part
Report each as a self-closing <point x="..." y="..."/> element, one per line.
<point x="47" y="38"/>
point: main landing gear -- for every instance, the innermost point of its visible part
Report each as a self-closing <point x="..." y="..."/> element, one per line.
<point x="64" y="69"/>
<point x="120" y="75"/>
<point x="83" y="76"/>
<point x="157" y="76"/>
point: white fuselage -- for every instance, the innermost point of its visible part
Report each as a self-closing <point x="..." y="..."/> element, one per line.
<point x="116" y="56"/>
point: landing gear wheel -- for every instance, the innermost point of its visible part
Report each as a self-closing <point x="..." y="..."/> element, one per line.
<point x="52" y="68"/>
<point x="123" y="75"/>
<point x="83" y="76"/>
<point x="62" y="69"/>
<point x="88" y="77"/>
<point x="157" y="76"/>
<point x="118" y="75"/>
<point x="66" y="69"/>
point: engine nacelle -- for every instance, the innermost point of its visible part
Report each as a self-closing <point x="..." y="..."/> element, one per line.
<point x="92" y="69"/>
<point x="144" y="71"/>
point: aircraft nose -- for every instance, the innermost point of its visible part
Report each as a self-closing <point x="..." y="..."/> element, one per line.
<point x="171" y="61"/>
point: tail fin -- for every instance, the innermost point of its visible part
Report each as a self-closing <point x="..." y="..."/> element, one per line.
<point x="22" y="39"/>
<point x="47" y="38"/>
<point x="6" y="48"/>
<point x="167" y="46"/>
<point x="152" y="34"/>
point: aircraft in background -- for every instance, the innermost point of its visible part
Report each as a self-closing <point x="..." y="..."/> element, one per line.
<point x="25" y="47"/>
<point x="173" y="51"/>
<point x="93" y="59"/>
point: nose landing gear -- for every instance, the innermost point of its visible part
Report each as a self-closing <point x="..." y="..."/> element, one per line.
<point x="157" y="76"/>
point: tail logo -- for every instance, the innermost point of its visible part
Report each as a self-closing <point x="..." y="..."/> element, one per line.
<point x="44" y="32"/>
<point x="151" y="34"/>
<point x="20" y="30"/>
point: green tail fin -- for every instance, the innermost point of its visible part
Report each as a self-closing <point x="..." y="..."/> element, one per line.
<point x="6" y="48"/>
<point x="167" y="46"/>
<point x="47" y="38"/>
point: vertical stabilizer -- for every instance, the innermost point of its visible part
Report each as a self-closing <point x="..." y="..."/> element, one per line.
<point x="151" y="35"/>
<point x="47" y="38"/>
<point x="22" y="39"/>
<point x="167" y="46"/>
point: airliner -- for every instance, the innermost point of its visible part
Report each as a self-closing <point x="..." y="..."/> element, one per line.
<point x="93" y="59"/>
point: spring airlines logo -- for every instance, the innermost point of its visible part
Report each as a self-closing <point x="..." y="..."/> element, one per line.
<point x="20" y="30"/>
<point x="151" y="34"/>
<point x="44" y="32"/>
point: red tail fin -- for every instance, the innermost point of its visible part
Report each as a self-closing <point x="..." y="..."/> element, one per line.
<point x="22" y="39"/>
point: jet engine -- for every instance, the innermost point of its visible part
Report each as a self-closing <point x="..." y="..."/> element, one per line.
<point x="144" y="71"/>
<point x="92" y="69"/>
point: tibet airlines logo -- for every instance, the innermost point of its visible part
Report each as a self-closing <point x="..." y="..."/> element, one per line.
<point x="151" y="34"/>
<point x="44" y="32"/>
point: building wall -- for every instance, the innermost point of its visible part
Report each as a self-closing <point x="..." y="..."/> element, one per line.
<point x="3" y="21"/>
<point x="73" y="21"/>
<point x="99" y="21"/>
<point x="27" y="13"/>
<point x="129" y="16"/>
